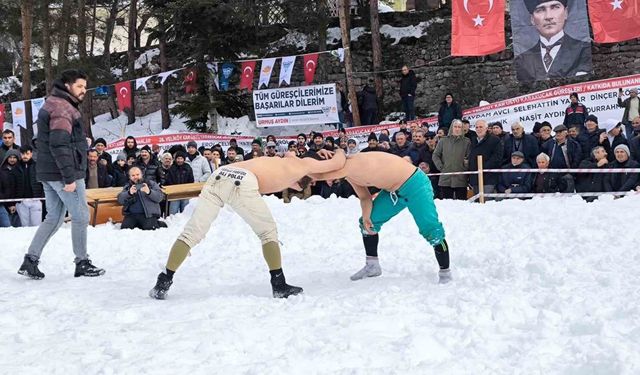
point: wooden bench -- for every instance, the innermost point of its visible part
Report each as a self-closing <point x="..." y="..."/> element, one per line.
<point x="107" y="198"/>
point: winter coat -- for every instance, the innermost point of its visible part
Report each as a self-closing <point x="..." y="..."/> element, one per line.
<point x="4" y="149"/>
<point x="622" y="181"/>
<point x="574" y="153"/>
<point x="552" y="183"/>
<point x="120" y="175"/>
<point x="617" y="140"/>
<point x="528" y="145"/>
<point x="200" y="167"/>
<point x="448" y="113"/>
<point x="368" y="99"/>
<point x="626" y="104"/>
<point x="377" y="148"/>
<point x="634" y="147"/>
<point x="27" y="186"/>
<point x="518" y="182"/>
<point x="575" y="114"/>
<point x="408" y="84"/>
<point x="131" y="151"/>
<point x="150" y="171"/>
<point x="592" y="141"/>
<point x="61" y="143"/>
<point x="449" y="156"/>
<point x="491" y="150"/>
<point x="150" y="202"/>
<point x="591" y="182"/>
<point x="104" y="178"/>
<point x="8" y="179"/>
<point x="407" y="150"/>
<point x="179" y="174"/>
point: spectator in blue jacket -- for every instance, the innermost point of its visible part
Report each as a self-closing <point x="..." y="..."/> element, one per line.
<point x="515" y="182"/>
<point x="519" y="141"/>
<point x="563" y="151"/>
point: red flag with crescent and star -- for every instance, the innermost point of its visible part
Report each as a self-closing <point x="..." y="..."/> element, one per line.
<point x="123" y="93"/>
<point x="246" y="79"/>
<point x="614" y="21"/>
<point x="310" y="64"/>
<point x="477" y="27"/>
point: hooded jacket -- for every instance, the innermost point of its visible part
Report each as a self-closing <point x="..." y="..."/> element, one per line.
<point x="61" y="143"/>
<point x="8" y="178"/>
<point x="449" y="156"/>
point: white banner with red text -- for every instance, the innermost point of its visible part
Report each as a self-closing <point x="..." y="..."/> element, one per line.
<point x="304" y="105"/>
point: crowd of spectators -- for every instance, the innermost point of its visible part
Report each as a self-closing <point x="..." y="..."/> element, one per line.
<point x="580" y="142"/>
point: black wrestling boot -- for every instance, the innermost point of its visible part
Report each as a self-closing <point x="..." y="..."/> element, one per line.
<point x="280" y="287"/>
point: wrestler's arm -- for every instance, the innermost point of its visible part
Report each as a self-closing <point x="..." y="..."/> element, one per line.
<point x="333" y="165"/>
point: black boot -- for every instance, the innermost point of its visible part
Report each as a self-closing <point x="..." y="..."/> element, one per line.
<point x="280" y="287"/>
<point x="85" y="268"/>
<point x="29" y="268"/>
<point x="162" y="287"/>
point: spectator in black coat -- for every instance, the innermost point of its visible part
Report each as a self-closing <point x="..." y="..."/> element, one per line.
<point x="616" y="137"/>
<point x="449" y="110"/>
<point x="544" y="134"/>
<point x="28" y="188"/>
<point x="8" y="177"/>
<point x="120" y="171"/>
<point x="8" y="142"/>
<point x="404" y="149"/>
<point x="408" y="85"/>
<point x="595" y="136"/>
<point x="140" y="200"/>
<point x="466" y="129"/>
<point x="234" y="143"/>
<point x="97" y="175"/>
<point x="543" y="182"/>
<point x="622" y="181"/>
<point x="130" y="147"/>
<point x="104" y="157"/>
<point x="593" y="182"/>
<point x="256" y="148"/>
<point x="487" y="145"/>
<point x="519" y="141"/>
<point x="576" y="113"/>
<point x="577" y="133"/>
<point x="563" y="151"/>
<point x="148" y="165"/>
<point x="373" y="144"/>
<point x="498" y="131"/>
<point x="368" y="102"/>
<point x="515" y="182"/>
<point x="179" y="173"/>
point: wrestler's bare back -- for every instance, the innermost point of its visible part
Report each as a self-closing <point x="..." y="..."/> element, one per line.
<point x="380" y="169"/>
<point x="275" y="174"/>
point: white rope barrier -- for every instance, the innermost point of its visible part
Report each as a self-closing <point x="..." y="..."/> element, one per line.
<point x="532" y="170"/>
<point x="532" y="195"/>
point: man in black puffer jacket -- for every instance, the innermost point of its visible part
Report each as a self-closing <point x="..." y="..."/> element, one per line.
<point x="622" y="181"/>
<point x="28" y="187"/>
<point x="62" y="165"/>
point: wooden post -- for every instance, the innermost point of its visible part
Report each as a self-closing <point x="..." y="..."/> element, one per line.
<point x="376" y="47"/>
<point x="480" y="179"/>
<point x="343" y="10"/>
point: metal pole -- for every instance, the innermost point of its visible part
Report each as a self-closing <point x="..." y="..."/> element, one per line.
<point x="480" y="179"/>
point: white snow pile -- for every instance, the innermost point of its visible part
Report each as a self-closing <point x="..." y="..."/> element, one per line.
<point x="9" y="85"/>
<point x="334" y="36"/>
<point x="146" y="60"/>
<point x="544" y="286"/>
<point x="151" y="124"/>
<point x="397" y="33"/>
<point x="293" y="38"/>
<point x="117" y="72"/>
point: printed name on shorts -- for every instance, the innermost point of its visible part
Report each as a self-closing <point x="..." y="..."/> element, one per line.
<point x="236" y="174"/>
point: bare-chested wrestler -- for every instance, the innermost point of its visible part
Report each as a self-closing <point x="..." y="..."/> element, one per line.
<point x="403" y="186"/>
<point x="240" y="185"/>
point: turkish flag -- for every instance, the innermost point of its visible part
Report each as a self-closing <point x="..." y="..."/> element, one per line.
<point x="477" y="27"/>
<point x="614" y="21"/>
<point x="310" y="64"/>
<point x="246" y="80"/>
<point x="189" y="82"/>
<point x="1" y="116"/>
<point x="123" y="93"/>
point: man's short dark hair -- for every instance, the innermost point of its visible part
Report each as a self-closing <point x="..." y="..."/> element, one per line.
<point x="232" y="148"/>
<point x="26" y="148"/>
<point x="303" y="136"/>
<point x="92" y="150"/>
<point x="8" y="131"/>
<point x="465" y="121"/>
<point x="70" y="76"/>
<point x="304" y="182"/>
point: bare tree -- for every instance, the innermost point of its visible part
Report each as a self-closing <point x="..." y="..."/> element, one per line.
<point x="46" y="44"/>
<point x="108" y="35"/>
<point x="131" y="53"/>
<point x="376" y="46"/>
<point x="164" y="66"/>
<point x="26" y="11"/>
<point x="343" y="11"/>
<point x="94" y="23"/>
<point x="63" y="32"/>
<point x="82" y="29"/>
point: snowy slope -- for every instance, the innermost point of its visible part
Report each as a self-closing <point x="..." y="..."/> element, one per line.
<point x="535" y="292"/>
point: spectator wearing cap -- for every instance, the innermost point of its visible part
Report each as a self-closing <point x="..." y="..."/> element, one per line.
<point x="140" y="200"/>
<point x="563" y="151"/>
<point x="148" y="164"/>
<point x="615" y="134"/>
<point x="544" y="133"/>
<point x="271" y="149"/>
<point x="595" y="135"/>
<point x="179" y="173"/>
<point x="256" y="149"/>
<point x="515" y="182"/>
<point x="519" y="141"/>
<point x="373" y="144"/>
<point x="631" y="107"/>
<point x="199" y="165"/>
<point x="97" y="175"/>
<point x="576" y="113"/>
<point x="317" y="143"/>
<point x="104" y="158"/>
<point x="234" y="143"/>
<point x="622" y="181"/>
<point x="543" y="182"/>
<point x="28" y="189"/>
<point x="536" y="130"/>
<point x="120" y="171"/>
<point x="593" y="182"/>
<point x="488" y="146"/>
<point x="330" y="143"/>
<point x="451" y="155"/>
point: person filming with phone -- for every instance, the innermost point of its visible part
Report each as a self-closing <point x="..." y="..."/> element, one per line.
<point x="140" y="200"/>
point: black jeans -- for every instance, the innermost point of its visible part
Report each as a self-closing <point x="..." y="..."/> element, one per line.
<point x="140" y="221"/>
<point x="454" y="193"/>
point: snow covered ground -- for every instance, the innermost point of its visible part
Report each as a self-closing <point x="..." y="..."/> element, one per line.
<point x="545" y="286"/>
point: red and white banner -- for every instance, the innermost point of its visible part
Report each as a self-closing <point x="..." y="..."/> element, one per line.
<point x="310" y="65"/>
<point x="123" y="93"/>
<point x="246" y="79"/>
<point x="477" y="27"/>
<point x="614" y="21"/>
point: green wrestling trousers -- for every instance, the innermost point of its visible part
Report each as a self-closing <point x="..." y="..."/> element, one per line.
<point x="416" y="194"/>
